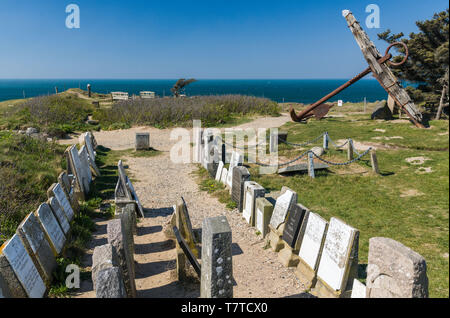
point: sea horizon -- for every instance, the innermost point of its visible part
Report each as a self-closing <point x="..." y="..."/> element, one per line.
<point x="276" y="89"/>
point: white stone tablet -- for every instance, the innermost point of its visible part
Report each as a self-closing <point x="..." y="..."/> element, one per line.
<point x="78" y="170"/>
<point x="281" y="209"/>
<point x="85" y="162"/>
<point x="51" y="227"/>
<point x="219" y="171"/>
<point x="313" y="238"/>
<point x="247" y="213"/>
<point x="336" y="253"/>
<point x="260" y="221"/>
<point x="358" y="289"/>
<point x="24" y="268"/>
<point x="60" y="215"/>
<point x="63" y="202"/>
<point x="223" y="177"/>
<point x="89" y="146"/>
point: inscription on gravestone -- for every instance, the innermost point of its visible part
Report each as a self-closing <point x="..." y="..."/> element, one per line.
<point x="240" y="175"/>
<point x="293" y="223"/>
<point x="51" y="227"/>
<point x="63" y="202"/>
<point x="24" y="268"/>
<point x="282" y="206"/>
<point x="59" y="213"/>
<point x="85" y="163"/>
<point x="312" y="243"/>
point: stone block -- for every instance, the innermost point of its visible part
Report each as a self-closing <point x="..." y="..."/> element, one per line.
<point x="263" y="213"/>
<point x="142" y="141"/>
<point x="252" y="191"/>
<point x="110" y="284"/>
<point x="104" y="256"/>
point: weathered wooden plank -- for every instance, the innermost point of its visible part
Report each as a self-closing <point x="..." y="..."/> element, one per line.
<point x="381" y="71"/>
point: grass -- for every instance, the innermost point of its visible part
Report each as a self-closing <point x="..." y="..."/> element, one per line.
<point x="380" y="205"/>
<point x="28" y="167"/>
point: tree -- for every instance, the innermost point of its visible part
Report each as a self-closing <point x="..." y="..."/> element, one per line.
<point x="180" y="86"/>
<point x="428" y="56"/>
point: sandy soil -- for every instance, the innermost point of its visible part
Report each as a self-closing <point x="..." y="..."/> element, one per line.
<point x="160" y="183"/>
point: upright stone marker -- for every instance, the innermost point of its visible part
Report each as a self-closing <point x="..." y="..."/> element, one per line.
<point x="69" y="191"/>
<point x="24" y="268"/>
<point x="339" y="261"/>
<point x="282" y="206"/>
<point x="37" y="246"/>
<point x="122" y="190"/>
<point x="395" y="271"/>
<point x="252" y="191"/>
<point x="51" y="227"/>
<point x="263" y="213"/>
<point x="78" y="170"/>
<point x="311" y="249"/>
<point x="223" y="177"/>
<point x="219" y="171"/>
<point x="142" y="141"/>
<point x="293" y="224"/>
<point x="240" y="176"/>
<point x="63" y="202"/>
<point x="83" y="154"/>
<point x="59" y="214"/>
<point x="217" y="266"/>
<point x="236" y="160"/>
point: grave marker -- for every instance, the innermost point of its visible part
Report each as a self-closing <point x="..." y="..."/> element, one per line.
<point x="223" y="177"/>
<point x="264" y="210"/>
<point x="142" y="141"/>
<point x="23" y="267"/>
<point x="282" y="206"/>
<point x="339" y="260"/>
<point x="293" y="224"/>
<point x="91" y="154"/>
<point x="51" y="228"/>
<point x="82" y="153"/>
<point x="187" y="251"/>
<point x="75" y="167"/>
<point x="219" y="171"/>
<point x="122" y="190"/>
<point x="252" y="190"/>
<point x="358" y="289"/>
<point x="37" y="246"/>
<point x="240" y="176"/>
<point x="311" y="249"/>
<point x="217" y="265"/>
<point x="59" y="214"/>
<point x="64" y="182"/>
<point x="236" y="160"/>
<point x="59" y="194"/>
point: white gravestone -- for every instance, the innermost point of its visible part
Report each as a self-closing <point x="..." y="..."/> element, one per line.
<point x="219" y="171"/>
<point x="78" y="170"/>
<point x="60" y="215"/>
<point x="358" y="289"/>
<point x="310" y="248"/>
<point x="63" y="202"/>
<point x="133" y="193"/>
<point x="281" y="209"/>
<point x="236" y="160"/>
<point x="336" y="253"/>
<point x="223" y="177"/>
<point x="252" y="190"/>
<point x="91" y="153"/>
<point x="24" y="268"/>
<point x="85" y="162"/>
<point x="51" y="227"/>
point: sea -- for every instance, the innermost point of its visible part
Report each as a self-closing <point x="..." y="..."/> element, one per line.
<point x="279" y="90"/>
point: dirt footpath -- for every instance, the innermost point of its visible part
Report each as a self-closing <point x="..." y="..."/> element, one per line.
<point x="159" y="184"/>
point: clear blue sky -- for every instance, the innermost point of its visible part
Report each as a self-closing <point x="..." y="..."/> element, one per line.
<point x="194" y="38"/>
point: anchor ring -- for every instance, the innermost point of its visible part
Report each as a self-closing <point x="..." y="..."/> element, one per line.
<point x="406" y="53"/>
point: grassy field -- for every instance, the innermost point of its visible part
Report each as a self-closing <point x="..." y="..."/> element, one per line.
<point x="402" y="203"/>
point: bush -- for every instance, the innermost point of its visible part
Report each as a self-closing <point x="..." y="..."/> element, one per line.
<point x="168" y="111"/>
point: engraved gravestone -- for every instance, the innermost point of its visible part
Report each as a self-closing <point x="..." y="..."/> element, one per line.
<point x="223" y="177"/>
<point x="51" y="228"/>
<point x="240" y="176"/>
<point x="63" y="202"/>
<point x="91" y="154"/>
<point x="24" y="268"/>
<point x="59" y="213"/>
<point x="142" y="141"/>
<point x="37" y="246"/>
<point x="82" y="153"/>
<point x="78" y="170"/>
<point x="282" y="206"/>
<point x="217" y="266"/>
<point x="335" y="260"/>
<point x="313" y="238"/>
<point x="252" y="191"/>
<point x="122" y="190"/>
<point x="219" y="171"/>
<point x="263" y="213"/>
<point x="293" y="224"/>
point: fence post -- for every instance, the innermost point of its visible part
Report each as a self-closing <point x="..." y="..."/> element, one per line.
<point x="311" y="165"/>
<point x="350" y="149"/>
<point x="374" y="161"/>
<point x="325" y="141"/>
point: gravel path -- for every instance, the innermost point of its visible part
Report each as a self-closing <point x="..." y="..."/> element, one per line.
<point x="159" y="184"/>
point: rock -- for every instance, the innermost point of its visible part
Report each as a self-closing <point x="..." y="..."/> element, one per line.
<point x="318" y="151"/>
<point x="395" y="271"/>
<point x="382" y="112"/>
<point x="31" y="131"/>
<point x="110" y="284"/>
<point x="104" y="256"/>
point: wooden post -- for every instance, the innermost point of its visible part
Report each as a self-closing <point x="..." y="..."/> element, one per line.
<point x="350" y="150"/>
<point x="374" y="161"/>
<point x="325" y="141"/>
<point x="311" y="165"/>
<point x="441" y="103"/>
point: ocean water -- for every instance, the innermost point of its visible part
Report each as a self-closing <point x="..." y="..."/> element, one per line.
<point x="302" y="90"/>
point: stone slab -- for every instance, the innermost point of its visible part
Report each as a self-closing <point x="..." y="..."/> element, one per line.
<point x="395" y="271"/>
<point x="135" y="197"/>
<point x="223" y="177"/>
<point x="358" y="289"/>
<point x="236" y="160"/>
<point x="252" y="191"/>
<point x="142" y="141"/>
<point x="122" y="190"/>
<point x="282" y="206"/>
<point x="59" y="214"/>
<point x="313" y="240"/>
<point x="37" y="246"/>
<point x="294" y="222"/>
<point x="187" y="251"/>
<point x="263" y="213"/>
<point x="219" y="171"/>
<point x="337" y="251"/>
<point x="104" y="256"/>
<point x="53" y="231"/>
<point x="64" y="203"/>
<point x="24" y="268"/>
<point x="110" y="284"/>
<point x="240" y="176"/>
<point x="217" y="266"/>
<point x="302" y="168"/>
<point x="83" y="154"/>
<point x="78" y="171"/>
